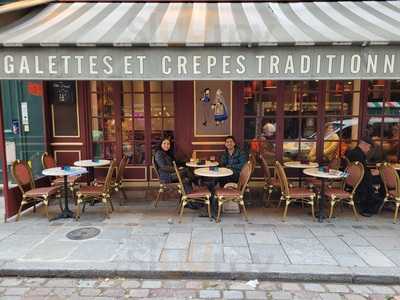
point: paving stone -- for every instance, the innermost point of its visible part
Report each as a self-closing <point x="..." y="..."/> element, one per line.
<point x="173" y="255"/>
<point x="360" y="289"/>
<point x="381" y="289"/>
<point x="255" y="295"/>
<point x="40" y="291"/>
<point x="335" y="245"/>
<point x="280" y="295"/>
<point x="355" y="297"/>
<point x="234" y="239"/>
<point x="350" y="260"/>
<point x="209" y="294"/>
<point x="213" y="236"/>
<point x="237" y="255"/>
<point x="191" y="284"/>
<point x="268" y="286"/>
<point x="206" y="253"/>
<point x="15" y="291"/>
<point x="337" y="288"/>
<point x="107" y="283"/>
<point x="61" y="282"/>
<point x="330" y="296"/>
<point x="233" y="295"/>
<point x="87" y="283"/>
<point x="215" y="285"/>
<point x="89" y="292"/>
<point x="51" y="250"/>
<point x="146" y="248"/>
<point x="130" y="284"/>
<point x="313" y="287"/>
<point x="33" y="282"/>
<point x="89" y="251"/>
<point x="139" y="293"/>
<point x="114" y="292"/>
<point x="260" y="237"/>
<point x="64" y="292"/>
<point x="290" y="286"/>
<point x="10" y="281"/>
<point x="151" y="284"/>
<point x="373" y="257"/>
<point x="162" y="293"/>
<point x="178" y="241"/>
<point x="241" y="285"/>
<point x="174" y="284"/>
<point x="268" y="254"/>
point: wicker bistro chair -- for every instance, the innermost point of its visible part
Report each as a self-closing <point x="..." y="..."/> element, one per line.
<point x="346" y="193"/>
<point x="49" y="162"/>
<point x="290" y="194"/>
<point x="163" y="186"/>
<point x="22" y="174"/>
<point x="391" y="181"/>
<point x="99" y="192"/>
<point x="235" y="194"/>
<point x="116" y="183"/>
<point x="198" y="194"/>
<point x="270" y="183"/>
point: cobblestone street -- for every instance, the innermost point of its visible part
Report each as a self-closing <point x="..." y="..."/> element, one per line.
<point x="102" y="289"/>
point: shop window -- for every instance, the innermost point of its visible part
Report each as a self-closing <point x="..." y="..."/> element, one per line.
<point x="384" y="118"/>
<point x="103" y="119"/>
<point x="260" y="102"/>
<point x="342" y="108"/>
<point x="300" y="122"/>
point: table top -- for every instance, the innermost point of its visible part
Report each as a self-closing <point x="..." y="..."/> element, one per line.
<point x="207" y="163"/>
<point x="299" y="165"/>
<point x="396" y="166"/>
<point x="92" y="163"/>
<point x="332" y="174"/>
<point x="61" y="172"/>
<point x="206" y="172"/>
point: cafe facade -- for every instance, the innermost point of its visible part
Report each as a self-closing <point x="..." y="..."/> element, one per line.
<point x="104" y="79"/>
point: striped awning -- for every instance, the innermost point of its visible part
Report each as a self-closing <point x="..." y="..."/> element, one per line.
<point x="208" y="24"/>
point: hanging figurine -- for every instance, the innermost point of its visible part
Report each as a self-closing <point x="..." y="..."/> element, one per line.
<point x="219" y="108"/>
<point x="205" y="101"/>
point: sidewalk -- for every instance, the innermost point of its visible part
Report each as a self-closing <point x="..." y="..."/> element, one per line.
<point x="146" y="242"/>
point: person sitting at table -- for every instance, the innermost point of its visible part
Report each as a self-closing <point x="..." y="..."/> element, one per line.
<point x="331" y="145"/>
<point x="368" y="202"/>
<point x="232" y="158"/>
<point x="163" y="158"/>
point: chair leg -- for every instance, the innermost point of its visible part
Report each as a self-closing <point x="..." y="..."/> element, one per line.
<point x="111" y="203"/>
<point x="383" y="204"/>
<point x="182" y="208"/>
<point x="244" y="210"/>
<point x="78" y="208"/>
<point x="280" y="201"/>
<point x="219" y="211"/>
<point x="160" y="192"/>
<point x="46" y="208"/>
<point x="396" y="212"/>
<point x="312" y="209"/>
<point x="354" y="209"/>
<point x="34" y="206"/>
<point x="104" y="200"/>
<point x="19" y="211"/>
<point x="285" y="211"/>
<point x="208" y="208"/>
<point x="331" y="209"/>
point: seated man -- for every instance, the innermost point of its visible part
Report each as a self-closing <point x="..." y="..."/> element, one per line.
<point x="368" y="202"/>
<point x="232" y="158"/>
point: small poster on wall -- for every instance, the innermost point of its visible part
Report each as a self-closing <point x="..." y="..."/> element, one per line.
<point x="212" y="108"/>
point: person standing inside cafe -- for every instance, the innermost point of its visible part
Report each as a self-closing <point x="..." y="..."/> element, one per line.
<point x="368" y="202"/>
<point x="233" y="158"/>
<point x="331" y="145"/>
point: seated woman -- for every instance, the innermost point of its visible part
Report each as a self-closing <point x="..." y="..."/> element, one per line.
<point x="164" y="157"/>
<point x="232" y="158"/>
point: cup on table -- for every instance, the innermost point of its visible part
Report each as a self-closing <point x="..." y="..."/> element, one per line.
<point x="66" y="168"/>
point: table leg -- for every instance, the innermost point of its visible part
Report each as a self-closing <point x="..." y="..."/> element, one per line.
<point x="90" y="176"/>
<point x="321" y="201"/>
<point x="66" y="212"/>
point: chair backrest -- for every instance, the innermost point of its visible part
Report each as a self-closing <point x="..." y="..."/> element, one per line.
<point x="266" y="170"/>
<point x="48" y="161"/>
<point x="22" y="174"/>
<point x="282" y="178"/>
<point x="390" y="178"/>
<point x="253" y="160"/>
<point x="335" y="163"/>
<point x="178" y="174"/>
<point x="110" y="172"/>
<point x="121" y="168"/>
<point x="245" y="174"/>
<point x="155" y="167"/>
<point x="355" y="172"/>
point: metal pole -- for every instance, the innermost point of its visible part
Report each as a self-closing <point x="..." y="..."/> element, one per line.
<point x="3" y="158"/>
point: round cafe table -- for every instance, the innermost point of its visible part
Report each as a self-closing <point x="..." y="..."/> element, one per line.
<point x="90" y="164"/>
<point x="65" y="172"/>
<point x="213" y="175"/>
<point x="300" y="165"/>
<point x="206" y="164"/>
<point x="323" y="176"/>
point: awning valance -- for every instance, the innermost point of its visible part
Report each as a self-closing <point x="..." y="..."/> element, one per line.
<point x="208" y="24"/>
